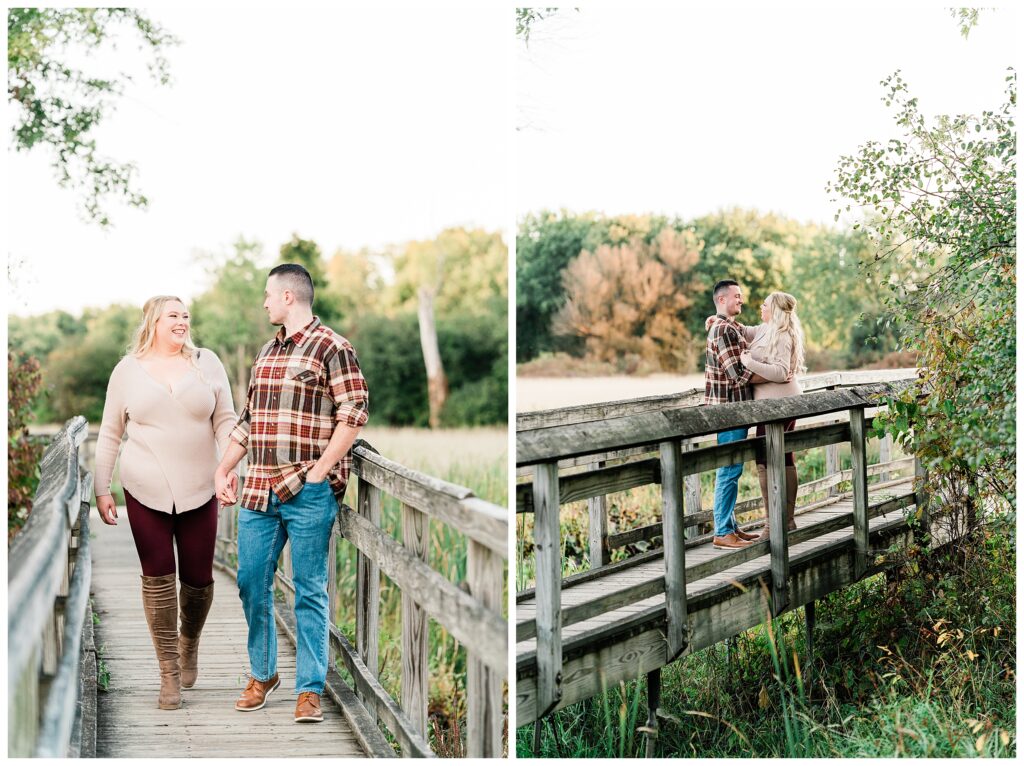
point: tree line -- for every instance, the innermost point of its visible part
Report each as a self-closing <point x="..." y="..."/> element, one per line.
<point x="634" y="290"/>
<point x="371" y="297"/>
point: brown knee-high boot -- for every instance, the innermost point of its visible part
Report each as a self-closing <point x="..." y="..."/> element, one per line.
<point x="792" y="484"/>
<point x="160" y="602"/>
<point x="195" y="605"/>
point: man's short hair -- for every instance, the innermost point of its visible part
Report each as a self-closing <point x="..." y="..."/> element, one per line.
<point x="296" y="279"/>
<point x="720" y="286"/>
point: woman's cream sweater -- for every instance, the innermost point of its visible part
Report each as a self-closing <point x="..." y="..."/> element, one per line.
<point x="773" y="367"/>
<point x="173" y="433"/>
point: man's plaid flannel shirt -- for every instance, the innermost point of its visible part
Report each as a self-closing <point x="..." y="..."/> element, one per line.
<point x="301" y="388"/>
<point x="725" y="377"/>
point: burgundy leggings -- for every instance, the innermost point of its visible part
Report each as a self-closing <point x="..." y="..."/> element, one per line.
<point x="788" y="426"/>
<point x="155" y="533"/>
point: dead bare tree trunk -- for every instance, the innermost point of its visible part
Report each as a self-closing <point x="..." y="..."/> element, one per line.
<point x="437" y="382"/>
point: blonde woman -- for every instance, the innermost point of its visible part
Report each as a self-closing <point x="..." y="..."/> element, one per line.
<point x="776" y="353"/>
<point x="174" y="403"/>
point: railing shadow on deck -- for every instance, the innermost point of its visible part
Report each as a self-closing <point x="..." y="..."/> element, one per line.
<point x="588" y="452"/>
<point x="51" y="659"/>
<point x="472" y="613"/>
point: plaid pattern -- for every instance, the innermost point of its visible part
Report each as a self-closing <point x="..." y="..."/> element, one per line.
<point x="301" y="387"/>
<point x="725" y="377"/>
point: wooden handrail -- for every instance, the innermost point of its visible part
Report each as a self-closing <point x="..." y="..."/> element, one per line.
<point x="49" y="567"/>
<point x="471" y="613"/>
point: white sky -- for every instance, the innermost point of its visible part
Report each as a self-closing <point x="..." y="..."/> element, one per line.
<point x="690" y="110"/>
<point x="353" y="127"/>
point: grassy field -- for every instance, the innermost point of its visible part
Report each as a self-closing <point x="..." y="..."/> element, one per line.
<point x="473" y="458"/>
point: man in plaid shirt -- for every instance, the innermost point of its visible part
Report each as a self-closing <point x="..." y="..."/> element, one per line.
<point x="727" y="380"/>
<point x="306" y="404"/>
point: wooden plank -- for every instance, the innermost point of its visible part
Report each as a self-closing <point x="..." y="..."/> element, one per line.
<point x="675" y="546"/>
<point x="468" y="621"/>
<point x="416" y="537"/>
<point x="558" y="442"/>
<point x="485" y="576"/>
<point x="885" y="455"/>
<point x="548" y="555"/>
<point x="597" y="529"/>
<point x="454" y="505"/>
<point x="369" y="500"/>
<point x="859" y="478"/>
<point x="596" y="482"/>
<point x="776" y="468"/>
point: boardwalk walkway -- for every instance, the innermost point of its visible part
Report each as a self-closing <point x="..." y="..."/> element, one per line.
<point x="207" y="725"/>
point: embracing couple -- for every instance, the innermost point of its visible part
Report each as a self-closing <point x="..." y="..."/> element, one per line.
<point x="745" y="363"/>
<point x="306" y="403"/>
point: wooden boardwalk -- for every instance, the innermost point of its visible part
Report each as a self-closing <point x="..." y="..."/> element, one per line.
<point x="624" y="641"/>
<point x="129" y="724"/>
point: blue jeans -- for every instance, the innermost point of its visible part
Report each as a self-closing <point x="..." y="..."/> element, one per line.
<point x="727" y="486"/>
<point x="306" y="520"/>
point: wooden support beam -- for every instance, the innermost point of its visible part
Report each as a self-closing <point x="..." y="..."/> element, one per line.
<point x="653" y="700"/>
<point x="859" y="478"/>
<point x="415" y="537"/>
<point x="885" y="455"/>
<point x="675" y="546"/>
<point x="691" y="493"/>
<point x="485" y="575"/>
<point x="776" y="465"/>
<point x="547" y="547"/>
<point x="809" y="620"/>
<point x="369" y="500"/>
<point x="597" y="508"/>
<point x="921" y="500"/>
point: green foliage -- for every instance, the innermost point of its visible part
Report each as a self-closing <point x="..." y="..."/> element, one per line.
<point x="942" y="204"/>
<point x="76" y="372"/>
<point x="59" y="106"/>
<point x="475" y="352"/>
<point x="822" y="267"/>
<point x="23" y="380"/>
<point x="527" y="18"/>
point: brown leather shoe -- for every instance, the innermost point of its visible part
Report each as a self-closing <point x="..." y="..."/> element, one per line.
<point x="745" y="536"/>
<point x="256" y="692"/>
<point x="307" y="709"/>
<point x="729" y="542"/>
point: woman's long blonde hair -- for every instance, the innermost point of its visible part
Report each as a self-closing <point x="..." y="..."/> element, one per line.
<point x="782" y="320"/>
<point x="145" y="333"/>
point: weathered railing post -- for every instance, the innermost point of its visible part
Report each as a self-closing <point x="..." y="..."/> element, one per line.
<point x="691" y="493"/>
<point x="368" y="591"/>
<point x="885" y="455"/>
<point x="548" y="555"/>
<point x="597" y="508"/>
<point x="921" y="501"/>
<point x="775" y="457"/>
<point x="859" y="467"/>
<point x="832" y="465"/>
<point x="484" y="573"/>
<point x="415" y="537"/>
<point x="675" y="546"/>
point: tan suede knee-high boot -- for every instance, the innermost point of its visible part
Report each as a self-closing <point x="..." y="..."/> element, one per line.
<point x="792" y="485"/>
<point x="195" y="605"/>
<point x="160" y="602"/>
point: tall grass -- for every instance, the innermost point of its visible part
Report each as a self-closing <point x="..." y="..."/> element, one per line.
<point x="473" y="458"/>
<point x="919" y="662"/>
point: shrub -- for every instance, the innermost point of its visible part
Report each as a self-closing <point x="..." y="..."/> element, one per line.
<point x="23" y="381"/>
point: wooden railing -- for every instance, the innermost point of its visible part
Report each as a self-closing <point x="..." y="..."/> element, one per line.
<point x="672" y="431"/>
<point x="471" y="612"/>
<point x="601" y="543"/>
<point x="51" y="660"/>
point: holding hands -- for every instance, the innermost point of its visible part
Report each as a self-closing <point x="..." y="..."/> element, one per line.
<point x="227" y="487"/>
